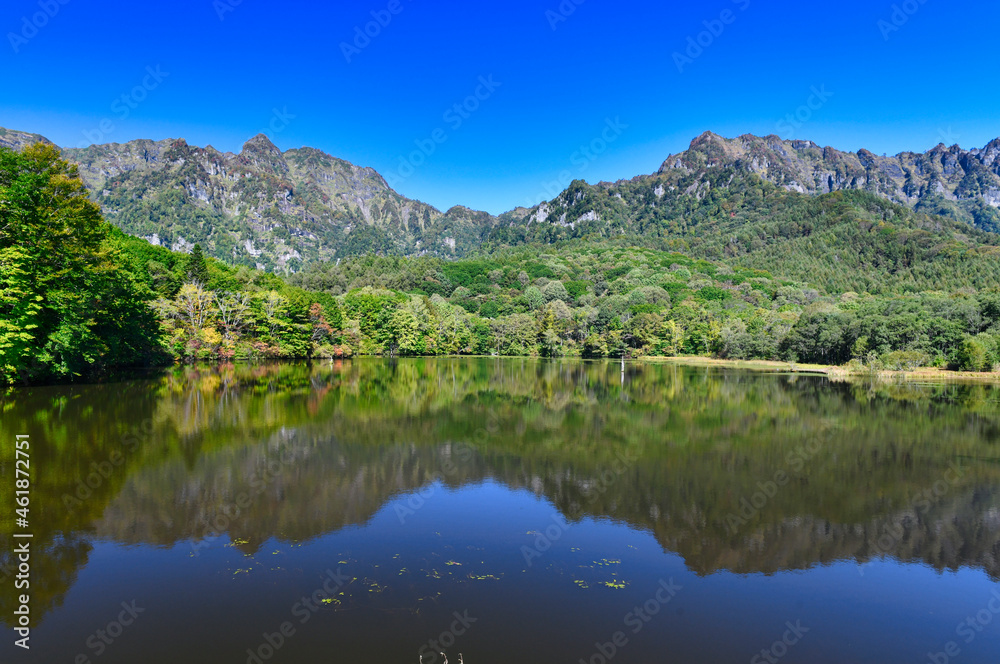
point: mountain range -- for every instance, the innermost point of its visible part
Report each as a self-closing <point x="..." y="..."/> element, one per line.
<point x="281" y="210"/>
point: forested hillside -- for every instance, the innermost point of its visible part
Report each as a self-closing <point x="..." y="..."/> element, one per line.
<point x="79" y="298"/>
<point x="603" y="299"/>
<point x="261" y="207"/>
<point x="713" y="262"/>
<point x="914" y="220"/>
<point x="846" y="240"/>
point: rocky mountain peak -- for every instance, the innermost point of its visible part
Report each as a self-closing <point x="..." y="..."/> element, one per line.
<point x="278" y="210"/>
<point x="260" y="153"/>
<point x="260" y="144"/>
<point x="991" y="153"/>
<point x="18" y="140"/>
<point x="961" y="181"/>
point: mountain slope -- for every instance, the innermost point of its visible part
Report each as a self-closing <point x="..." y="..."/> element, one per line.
<point x="262" y="207"/>
<point x="18" y="140"/>
<point x="964" y="184"/>
<point x="841" y="241"/>
<point x="839" y="219"/>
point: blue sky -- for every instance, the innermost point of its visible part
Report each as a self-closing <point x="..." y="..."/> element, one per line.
<point x="546" y="90"/>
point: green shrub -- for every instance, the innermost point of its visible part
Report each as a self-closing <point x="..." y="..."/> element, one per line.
<point x="906" y="360"/>
<point x="972" y="355"/>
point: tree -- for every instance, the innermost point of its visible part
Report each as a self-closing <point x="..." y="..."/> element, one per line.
<point x="274" y="307"/>
<point x="548" y="337"/>
<point x="162" y="280"/>
<point x="404" y="333"/>
<point x="821" y="337"/>
<point x="672" y="336"/>
<point x="195" y="305"/>
<point x="533" y="296"/>
<point x="595" y="346"/>
<point x="67" y="306"/>
<point x="644" y="331"/>
<point x="971" y="355"/>
<point x="515" y="334"/>
<point x="234" y="309"/>
<point x="554" y="290"/>
<point x="196" y="269"/>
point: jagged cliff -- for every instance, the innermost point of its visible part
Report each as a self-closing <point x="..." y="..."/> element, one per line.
<point x="261" y="207"/>
<point x="279" y="210"/>
<point x="961" y="183"/>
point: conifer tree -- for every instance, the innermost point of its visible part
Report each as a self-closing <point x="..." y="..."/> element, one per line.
<point x="197" y="268"/>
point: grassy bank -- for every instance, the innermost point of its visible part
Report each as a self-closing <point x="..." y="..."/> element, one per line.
<point x="842" y="373"/>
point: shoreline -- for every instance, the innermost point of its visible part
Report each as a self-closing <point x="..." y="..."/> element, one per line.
<point x="843" y="374"/>
<point x="833" y="372"/>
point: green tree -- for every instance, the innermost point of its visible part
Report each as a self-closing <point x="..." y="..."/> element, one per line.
<point x="196" y="269"/>
<point x="67" y="306"/>
<point x="972" y="355"/>
<point x="533" y="296"/>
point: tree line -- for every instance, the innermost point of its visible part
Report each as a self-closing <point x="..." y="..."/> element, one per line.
<point x="587" y="299"/>
<point x="79" y="297"/>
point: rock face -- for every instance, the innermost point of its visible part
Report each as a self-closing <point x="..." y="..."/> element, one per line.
<point x="18" y="140"/>
<point x="262" y="207"/>
<point x="964" y="184"/>
<point x="278" y="210"/>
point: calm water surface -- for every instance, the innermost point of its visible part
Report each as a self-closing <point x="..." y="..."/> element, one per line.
<point x="508" y="510"/>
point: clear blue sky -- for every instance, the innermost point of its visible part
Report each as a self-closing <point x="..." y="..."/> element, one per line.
<point x="933" y="79"/>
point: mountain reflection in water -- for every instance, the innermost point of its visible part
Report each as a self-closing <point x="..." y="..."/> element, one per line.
<point x="732" y="472"/>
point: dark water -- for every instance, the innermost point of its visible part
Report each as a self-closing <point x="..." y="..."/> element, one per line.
<point x="509" y="510"/>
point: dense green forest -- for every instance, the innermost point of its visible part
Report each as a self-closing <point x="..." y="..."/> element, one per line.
<point x="756" y="273"/>
<point x="69" y="304"/>
<point x="78" y="297"/>
<point x="601" y="299"/>
<point x="845" y="241"/>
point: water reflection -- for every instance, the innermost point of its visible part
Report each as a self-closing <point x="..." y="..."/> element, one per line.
<point x="733" y="471"/>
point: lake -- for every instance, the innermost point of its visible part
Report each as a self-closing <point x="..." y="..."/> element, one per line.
<point x="508" y="510"/>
